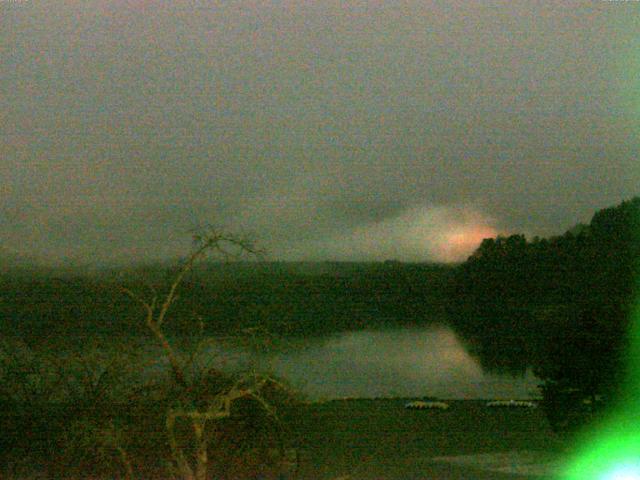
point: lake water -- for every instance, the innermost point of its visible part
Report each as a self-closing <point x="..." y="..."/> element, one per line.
<point x="408" y="362"/>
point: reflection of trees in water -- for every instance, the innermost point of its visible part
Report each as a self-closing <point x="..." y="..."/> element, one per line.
<point x="561" y="305"/>
<point x="496" y="345"/>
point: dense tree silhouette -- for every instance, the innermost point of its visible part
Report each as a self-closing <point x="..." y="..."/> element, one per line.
<point x="559" y="305"/>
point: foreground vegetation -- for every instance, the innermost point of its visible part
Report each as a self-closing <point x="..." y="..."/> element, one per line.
<point x="360" y="438"/>
<point x="74" y="414"/>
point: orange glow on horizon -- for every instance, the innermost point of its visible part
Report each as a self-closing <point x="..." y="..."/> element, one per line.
<point x="462" y="242"/>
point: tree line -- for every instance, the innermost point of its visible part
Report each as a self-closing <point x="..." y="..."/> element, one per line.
<point x="560" y="305"/>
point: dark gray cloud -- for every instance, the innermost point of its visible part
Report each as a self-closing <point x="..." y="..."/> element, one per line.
<point x="330" y="130"/>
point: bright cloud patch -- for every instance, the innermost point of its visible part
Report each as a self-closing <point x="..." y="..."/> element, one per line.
<point x="443" y="234"/>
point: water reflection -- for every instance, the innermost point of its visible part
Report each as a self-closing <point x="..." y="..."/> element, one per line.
<point x="428" y="361"/>
<point x="407" y="362"/>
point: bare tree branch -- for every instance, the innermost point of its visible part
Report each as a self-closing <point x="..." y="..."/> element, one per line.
<point x="219" y="242"/>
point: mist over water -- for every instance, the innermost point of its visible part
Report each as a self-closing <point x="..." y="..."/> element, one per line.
<point x="414" y="362"/>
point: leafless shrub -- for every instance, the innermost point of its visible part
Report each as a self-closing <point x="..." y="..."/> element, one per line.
<point x="202" y="398"/>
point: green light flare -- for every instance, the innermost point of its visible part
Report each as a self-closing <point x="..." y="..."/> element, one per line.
<point x="610" y="450"/>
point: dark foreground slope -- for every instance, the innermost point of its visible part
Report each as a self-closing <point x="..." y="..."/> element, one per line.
<point x="355" y="439"/>
<point x="380" y="439"/>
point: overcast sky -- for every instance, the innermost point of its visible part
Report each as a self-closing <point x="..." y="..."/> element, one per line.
<point x="358" y="130"/>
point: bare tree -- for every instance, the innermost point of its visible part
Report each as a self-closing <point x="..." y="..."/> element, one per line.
<point x="200" y="413"/>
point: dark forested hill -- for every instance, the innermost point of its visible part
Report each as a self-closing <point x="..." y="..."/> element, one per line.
<point x="561" y="305"/>
<point x="284" y="298"/>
